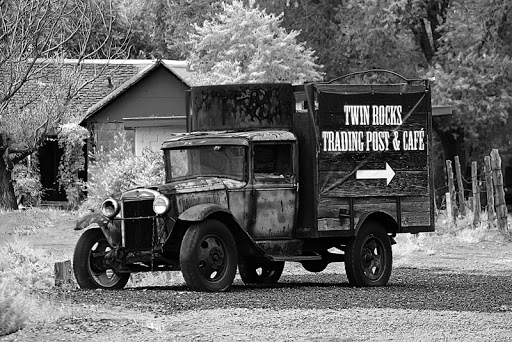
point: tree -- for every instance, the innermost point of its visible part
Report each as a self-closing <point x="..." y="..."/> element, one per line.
<point x="36" y="87"/>
<point x="160" y="28"/>
<point x="245" y="44"/>
<point x="318" y="23"/>
<point x="463" y="44"/>
<point x="473" y="74"/>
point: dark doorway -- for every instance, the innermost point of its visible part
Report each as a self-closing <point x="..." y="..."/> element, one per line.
<point x="49" y="156"/>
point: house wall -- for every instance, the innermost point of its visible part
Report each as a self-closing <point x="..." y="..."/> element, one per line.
<point x="154" y="137"/>
<point x="159" y="94"/>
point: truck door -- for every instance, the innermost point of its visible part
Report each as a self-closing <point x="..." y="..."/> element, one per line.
<point x="274" y="190"/>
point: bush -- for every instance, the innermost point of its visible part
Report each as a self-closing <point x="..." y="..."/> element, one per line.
<point x="15" y="308"/>
<point x="72" y="140"/>
<point x="27" y="185"/>
<point x="28" y="267"/>
<point x="22" y="269"/>
<point x="118" y="170"/>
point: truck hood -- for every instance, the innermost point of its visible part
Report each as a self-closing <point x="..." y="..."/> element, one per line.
<point x="198" y="185"/>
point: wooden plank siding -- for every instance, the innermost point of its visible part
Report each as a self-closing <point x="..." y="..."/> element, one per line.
<point x="407" y="198"/>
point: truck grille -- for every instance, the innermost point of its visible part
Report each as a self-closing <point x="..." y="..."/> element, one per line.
<point x="138" y="228"/>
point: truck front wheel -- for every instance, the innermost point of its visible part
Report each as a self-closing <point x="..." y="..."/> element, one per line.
<point x="368" y="256"/>
<point x="260" y="272"/>
<point x="88" y="263"/>
<point x="208" y="257"/>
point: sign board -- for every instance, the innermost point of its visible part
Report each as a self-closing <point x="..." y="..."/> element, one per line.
<point x="374" y="141"/>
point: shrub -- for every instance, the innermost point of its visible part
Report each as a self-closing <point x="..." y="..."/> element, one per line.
<point x="15" y="308"/>
<point x="22" y="269"/>
<point x="27" y="185"/>
<point x="72" y="140"/>
<point x="118" y="170"/>
<point x="30" y="268"/>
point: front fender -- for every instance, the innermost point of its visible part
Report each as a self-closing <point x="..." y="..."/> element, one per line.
<point x="111" y="229"/>
<point x="247" y="246"/>
<point x="201" y="211"/>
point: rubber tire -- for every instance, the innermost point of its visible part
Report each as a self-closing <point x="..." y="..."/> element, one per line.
<point x="314" y="266"/>
<point x="84" y="274"/>
<point x="210" y="236"/>
<point x="371" y="237"/>
<point x="270" y="271"/>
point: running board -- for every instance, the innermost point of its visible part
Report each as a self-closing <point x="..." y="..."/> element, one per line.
<point x="295" y="257"/>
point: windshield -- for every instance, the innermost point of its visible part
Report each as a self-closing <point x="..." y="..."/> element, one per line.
<point x="223" y="161"/>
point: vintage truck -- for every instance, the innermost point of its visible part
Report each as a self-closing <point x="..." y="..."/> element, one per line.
<point x="258" y="181"/>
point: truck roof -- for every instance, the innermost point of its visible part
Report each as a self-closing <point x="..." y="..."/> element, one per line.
<point x="227" y="137"/>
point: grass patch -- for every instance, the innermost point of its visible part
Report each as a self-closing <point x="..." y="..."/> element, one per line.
<point x="25" y="269"/>
<point x="16" y="307"/>
<point x="22" y="270"/>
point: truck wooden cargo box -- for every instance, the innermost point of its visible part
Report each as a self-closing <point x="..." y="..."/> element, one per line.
<point x="363" y="148"/>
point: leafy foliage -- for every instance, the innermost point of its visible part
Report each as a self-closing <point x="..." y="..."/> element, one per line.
<point x="22" y="269"/>
<point x="27" y="184"/>
<point x="72" y="140"/>
<point x="479" y="88"/>
<point x="245" y="44"/>
<point x="120" y="169"/>
<point x="15" y="309"/>
<point x="373" y="38"/>
<point x="318" y="23"/>
<point x="160" y="28"/>
<point x="35" y="86"/>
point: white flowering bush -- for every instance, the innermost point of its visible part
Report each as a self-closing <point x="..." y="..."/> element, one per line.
<point x="113" y="172"/>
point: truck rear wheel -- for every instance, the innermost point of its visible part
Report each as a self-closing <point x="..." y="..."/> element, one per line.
<point x="208" y="257"/>
<point x="368" y="256"/>
<point x="261" y="272"/>
<point x="88" y="263"/>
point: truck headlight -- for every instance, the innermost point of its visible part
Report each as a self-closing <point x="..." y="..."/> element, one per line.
<point x="161" y="205"/>
<point x="110" y="208"/>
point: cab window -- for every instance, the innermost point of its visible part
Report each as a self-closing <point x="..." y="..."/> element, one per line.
<point x="273" y="161"/>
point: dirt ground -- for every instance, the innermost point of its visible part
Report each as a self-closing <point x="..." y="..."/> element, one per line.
<point x="305" y="307"/>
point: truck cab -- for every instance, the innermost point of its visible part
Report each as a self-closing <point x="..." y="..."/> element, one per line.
<point x="257" y="183"/>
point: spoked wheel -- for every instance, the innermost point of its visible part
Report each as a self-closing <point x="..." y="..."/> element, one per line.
<point x="368" y="256"/>
<point x="208" y="257"/>
<point x="90" y="270"/>
<point x="260" y="272"/>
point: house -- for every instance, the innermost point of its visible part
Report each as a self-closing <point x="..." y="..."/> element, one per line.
<point x="149" y="106"/>
<point x="143" y="98"/>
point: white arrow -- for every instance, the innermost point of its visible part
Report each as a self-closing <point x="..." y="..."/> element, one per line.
<point x="388" y="174"/>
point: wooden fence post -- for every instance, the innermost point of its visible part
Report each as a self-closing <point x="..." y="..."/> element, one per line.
<point x="451" y="188"/>
<point x="460" y="186"/>
<point x="449" y="214"/>
<point x="501" y="206"/>
<point x="490" y="193"/>
<point x="476" y="194"/>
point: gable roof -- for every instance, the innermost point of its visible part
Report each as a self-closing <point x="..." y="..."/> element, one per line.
<point x="177" y="68"/>
<point x="104" y="76"/>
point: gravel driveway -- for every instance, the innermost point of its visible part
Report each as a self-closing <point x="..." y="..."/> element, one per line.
<point x="455" y="292"/>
